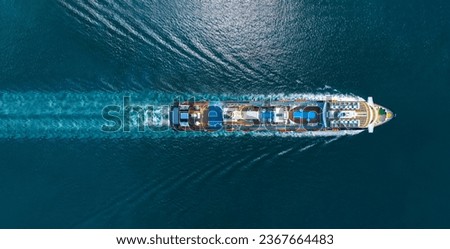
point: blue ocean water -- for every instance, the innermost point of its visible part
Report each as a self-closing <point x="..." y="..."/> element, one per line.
<point x="62" y="61"/>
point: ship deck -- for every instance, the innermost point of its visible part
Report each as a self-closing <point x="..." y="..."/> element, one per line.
<point x="363" y="113"/>
<point x="205" y="116"/>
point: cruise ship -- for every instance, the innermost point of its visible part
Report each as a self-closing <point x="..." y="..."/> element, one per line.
<point x="324" y="114"/>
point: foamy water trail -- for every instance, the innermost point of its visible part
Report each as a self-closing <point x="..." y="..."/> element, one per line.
<point x="79" y="114"/>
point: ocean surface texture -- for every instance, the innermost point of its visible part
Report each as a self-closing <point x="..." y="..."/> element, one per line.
<point x="62" y="62"/>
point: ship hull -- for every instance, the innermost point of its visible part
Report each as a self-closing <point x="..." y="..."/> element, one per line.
<point x="297" y="115"/>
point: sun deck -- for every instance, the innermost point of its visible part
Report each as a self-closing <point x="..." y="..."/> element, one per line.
<point x="307" y="116"/>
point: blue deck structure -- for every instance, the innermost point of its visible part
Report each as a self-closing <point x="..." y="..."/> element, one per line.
<point x="305" y="115"/>
<point x="215" y="117"/>
<point x="266" y="116"/>
<point x="174" y="118"/>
